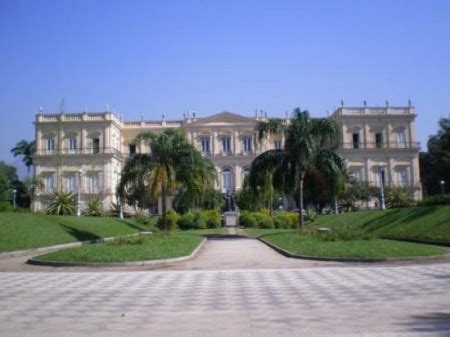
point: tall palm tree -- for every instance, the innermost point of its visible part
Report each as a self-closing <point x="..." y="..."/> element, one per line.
<point x="309" y="148"/>
<point x="25" y="149"/>
<point x="172" y="162"/>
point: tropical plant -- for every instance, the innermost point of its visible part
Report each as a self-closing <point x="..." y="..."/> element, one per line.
<point x="170" y="222"/>
<point x="272" y="126"/>
<point x="61" y="203"/>
<point x="185" y="200"/>
<point x="173" y="162"/>
<point x="399" y="197"/>
<point x="355" y="192"/>
<point x="25" y="149"/>
<point x="33" y="184"/>
<point x="93" y="207"/>
<point x="310" y="147"/>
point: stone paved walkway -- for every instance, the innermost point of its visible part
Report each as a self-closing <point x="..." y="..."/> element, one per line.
<point x="370" y="301"/>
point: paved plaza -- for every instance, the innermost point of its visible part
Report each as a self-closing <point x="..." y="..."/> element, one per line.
<point x="307" y="300"/>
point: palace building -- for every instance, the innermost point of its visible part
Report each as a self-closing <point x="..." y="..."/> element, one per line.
<point x="84" y="152"/>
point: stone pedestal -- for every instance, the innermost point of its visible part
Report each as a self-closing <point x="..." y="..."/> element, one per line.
<point x="231" y="219"/>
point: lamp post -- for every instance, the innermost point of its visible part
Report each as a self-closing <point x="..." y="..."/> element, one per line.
<point x="381" y="173"/>
<point x="14" y="197"/>
<point x="79" y="194"/>
<point x="442" y="183"/>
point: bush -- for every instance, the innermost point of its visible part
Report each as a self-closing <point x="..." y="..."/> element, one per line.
<point x="264" y="220"/>
<point x="310" y="215"/>
<point x="399" y="197"/>
<point x="285" y="220"/>
<point x="6" y="207"/>
<point x="435" y="200"/>
<point x="212" y="218"/>
<point x="145" y="219"/>
<point x="172" y="218"/>
<point x="94" y="207"/>
<point x="61" y="203"/>
<point x="247" y="219"/>
<point x="192" y="220"/>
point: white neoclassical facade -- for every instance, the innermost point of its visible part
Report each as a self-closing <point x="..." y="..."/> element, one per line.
<point x="84" y="152"/>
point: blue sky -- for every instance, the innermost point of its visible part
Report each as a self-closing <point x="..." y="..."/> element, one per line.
<point x="154" y="57"/>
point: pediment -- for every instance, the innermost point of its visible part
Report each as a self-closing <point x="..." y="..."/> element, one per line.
<point x="222" y="119"/>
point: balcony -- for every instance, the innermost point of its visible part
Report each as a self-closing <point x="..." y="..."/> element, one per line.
<point x="379" y="146"/>
<point x="79" y="151"/>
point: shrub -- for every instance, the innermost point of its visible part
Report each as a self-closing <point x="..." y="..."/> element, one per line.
<point x="6" y="207"/>
<point x="172" y="218"/>
<point x="94" y="207"/>
<point x="285" y="220"/>
<point x="399" y="197"/>
<point x="247" y="219"/>
<point x="263" y="220"/>
<point x="61" y="203"/>
<point x="192" y="220"/>
<point x="434" y="200"/>
<point x="145" y="219"/>
<point x="212" y="218"/>
<point x="114" y="209"/>
<point x="310" y="215"/>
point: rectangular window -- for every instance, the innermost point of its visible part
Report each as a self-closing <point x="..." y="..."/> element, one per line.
<point x="93" y="183"/>
<point x="277" y="144"/>
<point x="131" y="149"/>
<point x="379" y="140"/>
<point x="355" y="138"/>
<point x="226" y="147"/>
<point x="205" y="145"/>
<point x="355" y="175"/>
<point x="95" y="145"/>
<point x="48" y="184"/>
<point x="71" y="183"/>
<point x="401" y="139"/>
<point x="72" y="145"/>
<point x="50" y="145"/>
<point x="247" y="144"/>
<point x="403" y="177"/>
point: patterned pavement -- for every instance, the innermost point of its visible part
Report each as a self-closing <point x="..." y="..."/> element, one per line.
<point x="328" y="301"/>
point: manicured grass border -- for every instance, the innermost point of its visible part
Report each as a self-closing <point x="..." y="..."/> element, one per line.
<point x="342" y="259"/>
<point x="38" y="261"/>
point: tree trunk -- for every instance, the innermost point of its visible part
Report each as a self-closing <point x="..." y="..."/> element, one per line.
<point x="300" y="203"/>
<point x="164" y="206"/>
<point x="336" y="210"/>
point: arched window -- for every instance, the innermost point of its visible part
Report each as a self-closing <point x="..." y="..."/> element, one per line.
<point x="227" y="179"/>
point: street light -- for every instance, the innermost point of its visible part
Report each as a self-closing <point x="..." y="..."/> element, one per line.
<point x="79" y="193"/>
<point x="14" y="198"/>
<point x="381" y="173"/>
<point x="442" y="182"/>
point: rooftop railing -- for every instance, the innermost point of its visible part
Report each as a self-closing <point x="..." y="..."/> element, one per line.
<point x="78" y="151"/>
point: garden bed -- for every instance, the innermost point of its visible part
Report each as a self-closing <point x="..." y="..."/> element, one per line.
<point x="142" y="248"/>
<point x="363" y="250"/>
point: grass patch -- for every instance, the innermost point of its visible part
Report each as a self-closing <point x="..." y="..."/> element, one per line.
<point x="142" y="248"/>
<point x="257" y="232"/>
<point x="422" y="223"/>
<point x="313" y="246"/>
<point x="32" y="230"/>
<point x="207" y="231"/>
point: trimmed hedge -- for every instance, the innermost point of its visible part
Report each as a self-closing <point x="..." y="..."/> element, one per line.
<point x="434" y="200"/>
<point x="283" y="220"/>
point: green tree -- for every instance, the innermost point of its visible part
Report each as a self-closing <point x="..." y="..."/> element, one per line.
<point x="436" y="165"/>
<point x="310" y="147"/>
<point x="172" y="162"/>
<point x="25" y="149"/>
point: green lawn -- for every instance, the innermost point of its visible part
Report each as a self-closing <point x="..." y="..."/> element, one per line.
<point x="312" y="246"/>
<point x="150" y="248"/>
<point x="256" y="232"/>
<point x="30" y="230"/>
<point x="425" y="222"/>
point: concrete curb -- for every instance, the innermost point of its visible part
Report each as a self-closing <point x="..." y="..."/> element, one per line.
<point x="48" y="249"/>
<point x="38" y="262"/>
<point x="364" y="260"/>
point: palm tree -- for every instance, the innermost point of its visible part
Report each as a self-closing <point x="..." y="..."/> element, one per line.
<point x="172" y="162"/>
<point x="25" y="149"/>
<point x="310" y="148"/>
